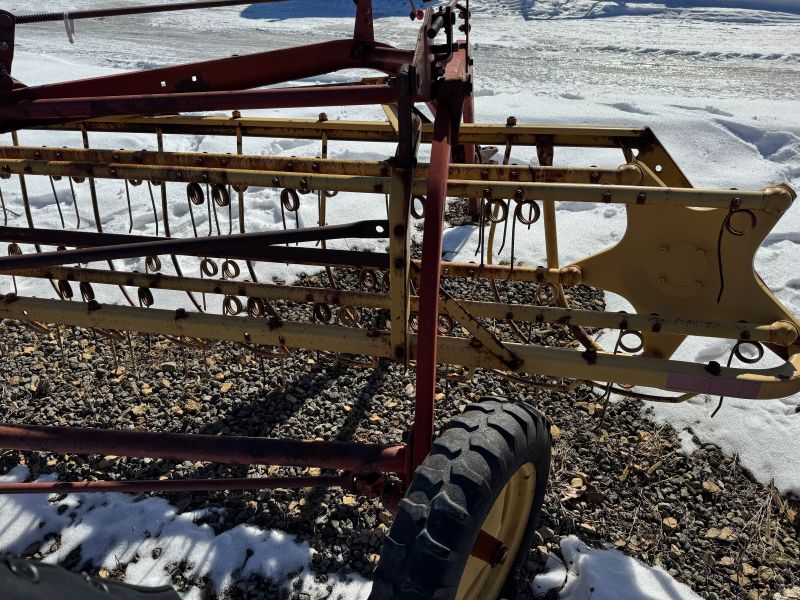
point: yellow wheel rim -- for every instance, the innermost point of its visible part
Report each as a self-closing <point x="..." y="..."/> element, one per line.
<point x="506" y="521"/>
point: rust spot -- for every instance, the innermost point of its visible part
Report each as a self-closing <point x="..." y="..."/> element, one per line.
<point x="217" y="290"/>
<point x="564" y="320"/>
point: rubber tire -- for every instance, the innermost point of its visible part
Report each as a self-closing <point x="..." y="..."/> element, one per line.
<point x="452" y="492"/>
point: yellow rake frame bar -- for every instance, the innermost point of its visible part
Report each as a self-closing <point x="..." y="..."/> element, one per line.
<point x="664" y="264"/>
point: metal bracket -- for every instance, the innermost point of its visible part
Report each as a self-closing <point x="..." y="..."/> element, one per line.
<point x="7" y="29"/>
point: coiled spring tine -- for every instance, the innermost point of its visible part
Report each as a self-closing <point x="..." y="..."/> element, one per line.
<point x="290" y="201"/>
<point x="194" y="196"/>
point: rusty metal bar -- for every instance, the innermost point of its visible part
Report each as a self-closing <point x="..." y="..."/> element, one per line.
<point x="176" y="485"/>
<point x="365" y="458"/>
<point x="242" y="245"/>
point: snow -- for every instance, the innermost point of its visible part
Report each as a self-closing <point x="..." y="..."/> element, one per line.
<point x="717" y="80"/>
<point x="606" y="575"/>
<point x="152" y="539"/>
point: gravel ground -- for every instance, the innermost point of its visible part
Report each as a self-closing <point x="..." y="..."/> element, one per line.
<point x="617" y="480"/>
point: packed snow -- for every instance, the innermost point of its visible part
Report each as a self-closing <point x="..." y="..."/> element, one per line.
<point x="716" y="79"/>
<point x="588" y="573"/>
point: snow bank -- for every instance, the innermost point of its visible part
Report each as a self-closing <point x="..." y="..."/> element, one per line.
<point x="606" y="575"/>
<point x="735" y="10"/>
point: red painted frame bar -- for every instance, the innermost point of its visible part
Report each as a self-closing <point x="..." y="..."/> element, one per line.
<point x="430" y="275"/>
<point x="356" y="457"/>
<point x="238" y="72"/>
<point x="71" y="109"/>
<point x="138" y="486"/>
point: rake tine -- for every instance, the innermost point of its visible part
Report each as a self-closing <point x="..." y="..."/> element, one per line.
<point x="210" y="224"/>
<point x="61" y="344"/>
<point x="132" y="356"/>
<point x="204" y="348"/>
<point x="230" y="213"/>
<point x="513" y="241"/>
<point x="165" y="215"/>
<point x="130" y="208"/>
<point x="5" y="210"/>
<point x="113" y="345"/>
<point x="98" y="224"/>
<point x="153" y="202"/>
<point x="283" y="218"/>
<point x="75" y="204"/>
<point x="58" y="202"/>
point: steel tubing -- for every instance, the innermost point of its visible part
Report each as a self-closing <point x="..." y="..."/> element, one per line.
<point x="430" y="275"/>
<point x="360" y="458"/>
<point x="70" y="109"/>
<point x="176" y="485"/>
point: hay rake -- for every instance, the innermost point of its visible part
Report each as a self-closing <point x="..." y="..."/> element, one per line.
<point x="685" y="262"/>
